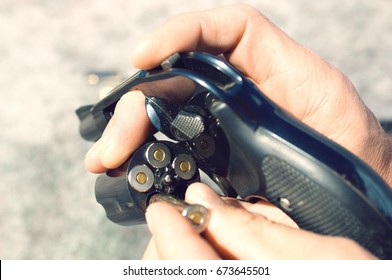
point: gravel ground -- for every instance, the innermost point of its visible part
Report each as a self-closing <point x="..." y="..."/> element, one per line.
<point x="48" y="209"/>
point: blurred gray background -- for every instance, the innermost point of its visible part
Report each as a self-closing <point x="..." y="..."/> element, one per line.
<point x="47" y="207"/>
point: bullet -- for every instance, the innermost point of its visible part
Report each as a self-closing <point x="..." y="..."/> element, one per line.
<point x="197" y="214"/>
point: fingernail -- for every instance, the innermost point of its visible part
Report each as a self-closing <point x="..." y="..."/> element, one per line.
<point x="92" y="154"/>
<point x="107" y="151"/>
<point x="138" y="51"/>
<point x="92" y="161"/>
<point x="142" y="44"/>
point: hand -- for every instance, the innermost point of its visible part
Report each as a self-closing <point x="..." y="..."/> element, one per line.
<point x="293" y="77"/>
<point x="239" y="231"/>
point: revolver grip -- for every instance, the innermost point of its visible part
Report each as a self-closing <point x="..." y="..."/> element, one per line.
<point x="314" y="206"/>
<point x="314" y="195"/>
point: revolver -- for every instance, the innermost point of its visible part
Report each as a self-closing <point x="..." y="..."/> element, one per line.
<point x="250" y="148"/>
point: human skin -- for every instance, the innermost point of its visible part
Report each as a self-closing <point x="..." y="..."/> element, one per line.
<point x="293" y="77"/>
<point x="239" y="231"/>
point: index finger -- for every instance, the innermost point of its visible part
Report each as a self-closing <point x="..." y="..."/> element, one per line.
<point x="255" y="46"/>
<point x="251" y="41"/>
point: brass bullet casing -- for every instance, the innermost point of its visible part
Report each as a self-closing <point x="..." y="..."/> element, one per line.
<point x="185" y="166"/>
<point x="141" y="178"/>
<point x="158" y="155"/>
<point x="197" y="214"/>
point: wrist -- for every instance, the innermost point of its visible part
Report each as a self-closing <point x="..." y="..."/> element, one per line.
<point x="386" y="160"/>
<point x="377" y="152"/>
